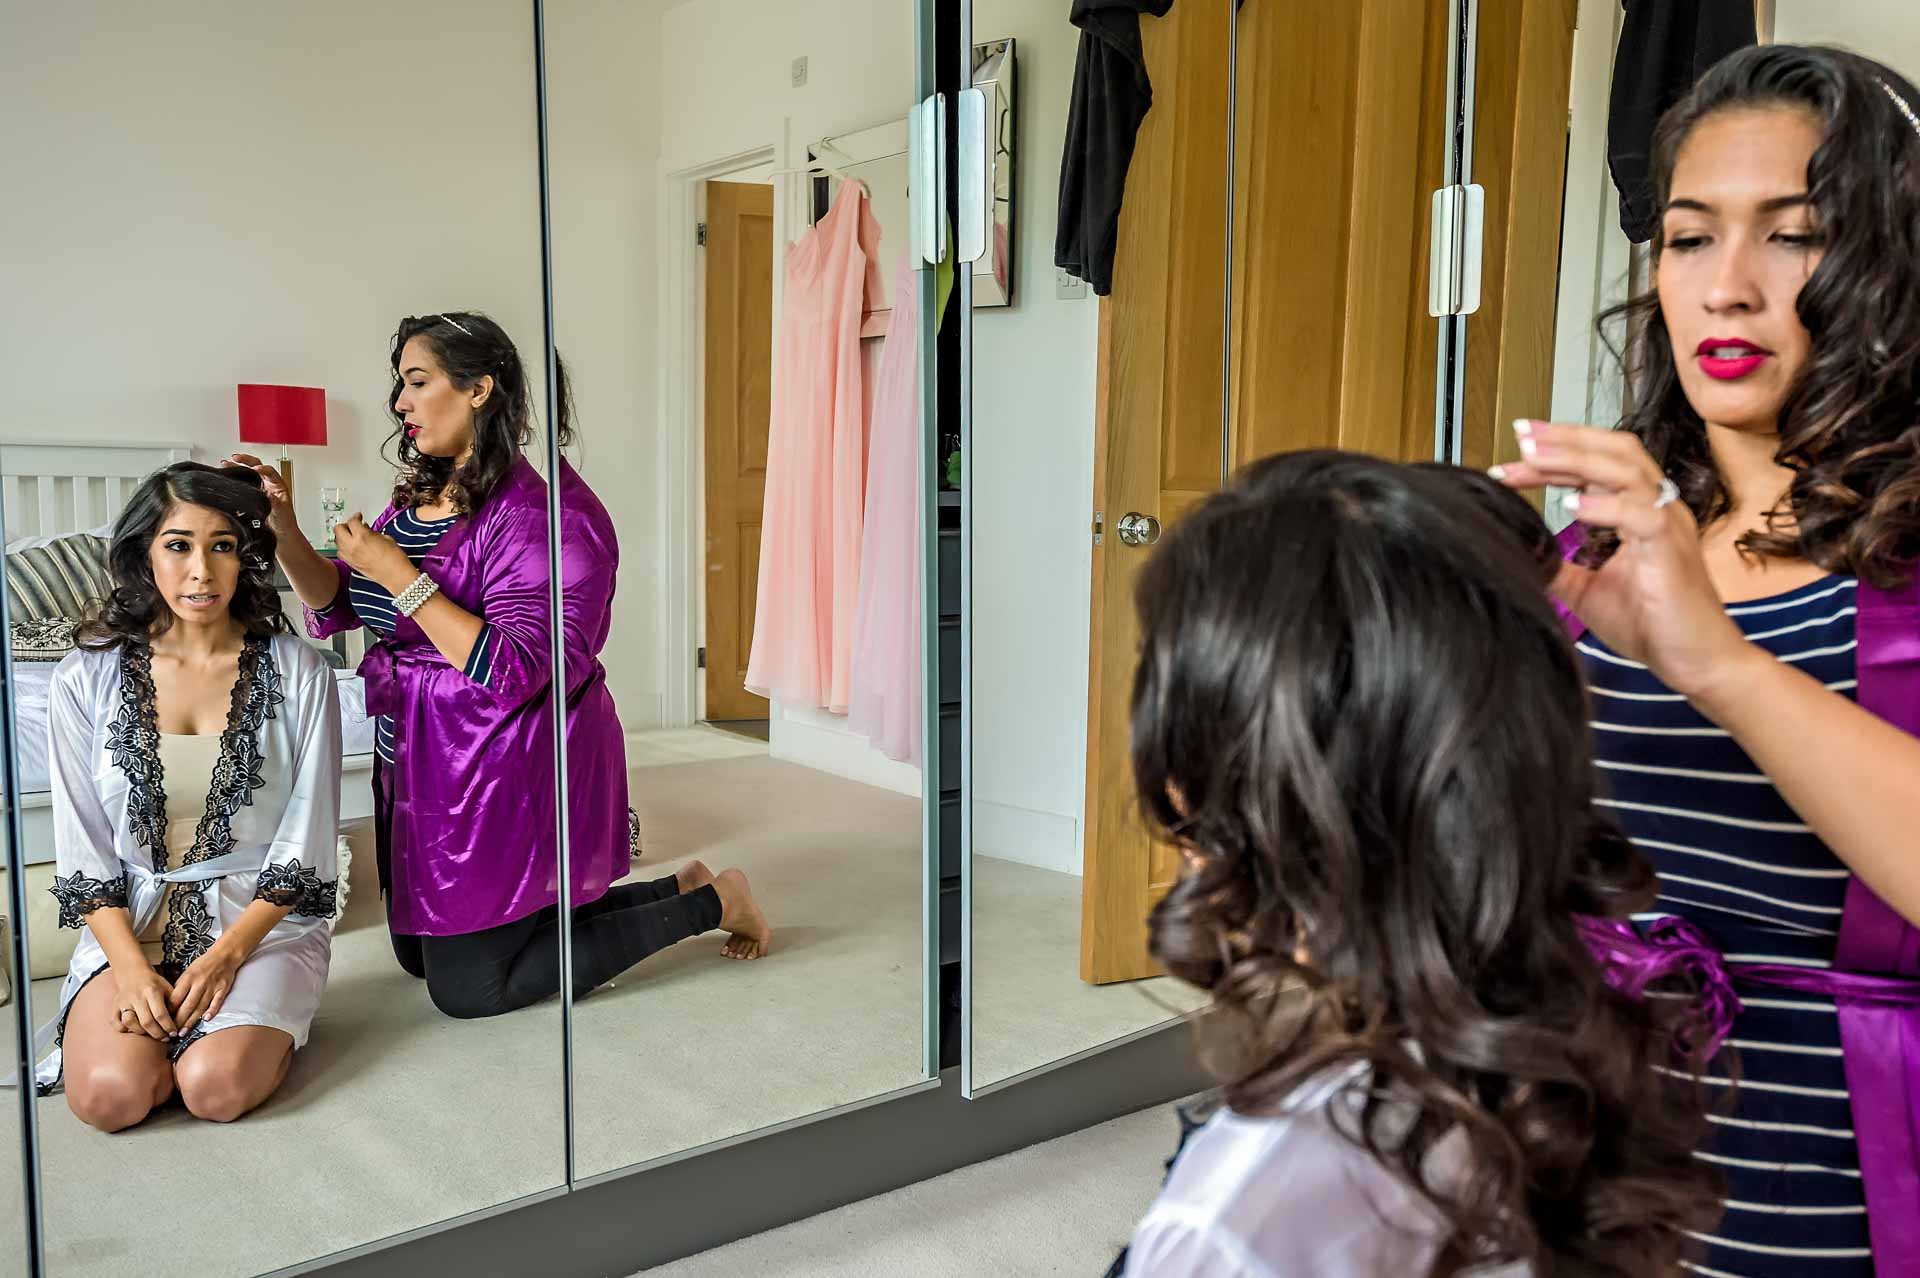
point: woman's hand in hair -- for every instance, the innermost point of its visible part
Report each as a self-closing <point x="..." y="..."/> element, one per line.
<point x="1654" y="600"/>
<point x="373" y="555"/>
<point x="282" y="517"/>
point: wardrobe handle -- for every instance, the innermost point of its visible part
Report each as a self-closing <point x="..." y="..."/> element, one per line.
<point x="927" y="178"/>
<point x="975" y="199"/>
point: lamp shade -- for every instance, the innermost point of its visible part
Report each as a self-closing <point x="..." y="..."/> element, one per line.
<point x="283" y="415"/>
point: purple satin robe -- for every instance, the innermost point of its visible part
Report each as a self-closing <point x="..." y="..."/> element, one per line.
<point x="474" y="831"/>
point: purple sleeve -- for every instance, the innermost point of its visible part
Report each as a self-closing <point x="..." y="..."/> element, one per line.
<point x="514" y="605"/>
<point x="1571" y="538"/>
<point x="338" y="616"/>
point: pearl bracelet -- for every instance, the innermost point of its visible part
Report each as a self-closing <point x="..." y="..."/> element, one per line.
<point x="409" y="601"/>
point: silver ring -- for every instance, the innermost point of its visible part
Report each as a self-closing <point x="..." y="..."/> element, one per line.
<point x="1669" y="494"/>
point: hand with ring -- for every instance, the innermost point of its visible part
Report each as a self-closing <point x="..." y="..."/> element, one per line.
<point x="140" y="1003"/>
<point x="1654" y="600"/>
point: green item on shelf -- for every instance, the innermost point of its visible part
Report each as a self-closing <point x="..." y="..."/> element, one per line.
<point x="953" y="469"/>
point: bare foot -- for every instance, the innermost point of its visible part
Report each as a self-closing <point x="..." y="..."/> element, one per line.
<point x="693" y="876"/>
<point x="740" y="914"/>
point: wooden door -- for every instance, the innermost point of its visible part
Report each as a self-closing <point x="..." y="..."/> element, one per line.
<point x="739" y="375"/>
<point x="1334" y="175"/>
<point x="1339" y="140"/>
<point x="1157" y="448"/>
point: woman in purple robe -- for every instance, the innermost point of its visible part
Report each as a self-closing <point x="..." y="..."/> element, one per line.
<point x="453" y="579"/>
<point x="1745" y="594"/>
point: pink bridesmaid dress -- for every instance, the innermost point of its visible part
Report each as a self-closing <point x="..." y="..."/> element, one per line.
<point x="885" y="705"/>
<point x="810" y="532"/>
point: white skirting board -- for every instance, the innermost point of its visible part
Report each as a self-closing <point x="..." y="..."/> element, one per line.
<point x="815" y="739"/>
<point x="1047" y="840"/>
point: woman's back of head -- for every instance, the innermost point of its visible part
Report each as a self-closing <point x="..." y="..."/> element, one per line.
<point x="1356" y="712"/>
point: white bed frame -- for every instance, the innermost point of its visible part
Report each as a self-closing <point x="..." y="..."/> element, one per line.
<point x="51" y="489"/>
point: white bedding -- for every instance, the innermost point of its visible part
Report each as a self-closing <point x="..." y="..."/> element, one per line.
<point x="32" y="678"/>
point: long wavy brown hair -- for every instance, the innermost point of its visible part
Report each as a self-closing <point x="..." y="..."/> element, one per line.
<point x="1850" y="427"/>
<point x="1357" y="714"/>
<point x="134" y="612"/>
<point x="469" y="346"/>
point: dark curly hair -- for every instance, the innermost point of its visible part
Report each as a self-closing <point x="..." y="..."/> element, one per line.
<point x="133" y="611"/>
<point x="1850" y="427"/>
<point x="469" y="346"/>
<point x="1357" y="713"/>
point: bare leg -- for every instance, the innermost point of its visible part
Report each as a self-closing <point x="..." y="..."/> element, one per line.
<point x="740" y="914"/>
<point x="693" y="876"/>
<point x="231" y="1071"/>
<point x="113" y="1080"/>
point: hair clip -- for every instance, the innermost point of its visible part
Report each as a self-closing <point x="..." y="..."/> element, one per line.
<point x="469" y="332"/>
<point x="1900" y="102"/>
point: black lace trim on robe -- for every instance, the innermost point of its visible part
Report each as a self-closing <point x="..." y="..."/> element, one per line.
<point x="300" y="887"/>
<point x="80" y="896"/>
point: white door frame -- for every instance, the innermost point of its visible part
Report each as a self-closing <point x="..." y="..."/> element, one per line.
<point x="682" y="414"/>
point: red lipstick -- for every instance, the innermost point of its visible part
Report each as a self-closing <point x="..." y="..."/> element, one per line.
<point x="1728" y="359"/>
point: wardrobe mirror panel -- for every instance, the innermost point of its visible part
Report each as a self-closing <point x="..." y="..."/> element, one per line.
<point x="13" y="1180"/>
<point x="307" y="233"/>
<point x="738" y="309"/>
<point x="1095" y="418"/>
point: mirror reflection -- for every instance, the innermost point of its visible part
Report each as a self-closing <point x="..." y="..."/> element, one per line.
<point x="278" y="575"/>
<point x="739" y="303"/>
<point x="1069" y="402"/>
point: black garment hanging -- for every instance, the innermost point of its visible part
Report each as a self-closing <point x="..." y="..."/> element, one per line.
<point x="1665" y="46"/>
<point x="1111" y="95"/>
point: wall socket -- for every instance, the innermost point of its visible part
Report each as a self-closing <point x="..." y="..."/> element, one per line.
<point x="799" y="73"/>
<point x="1067" y="286"/>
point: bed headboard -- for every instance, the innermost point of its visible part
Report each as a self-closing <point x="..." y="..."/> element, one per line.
<point x="50" y="488"/>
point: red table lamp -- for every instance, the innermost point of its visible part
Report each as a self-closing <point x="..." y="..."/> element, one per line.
<point x="283" y="415"/>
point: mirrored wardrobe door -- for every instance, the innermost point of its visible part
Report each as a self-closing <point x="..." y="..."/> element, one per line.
<point x="1095" y="418"/>
<point x="1333" y="344"/>
<point x="1514" y="154"/>
<point x="738" y="307"/>
<point x="305" y="238"/>
<point x="19" y="1213"/>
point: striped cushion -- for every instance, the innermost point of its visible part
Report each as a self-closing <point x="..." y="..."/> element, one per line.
<point x="59" y="579"/>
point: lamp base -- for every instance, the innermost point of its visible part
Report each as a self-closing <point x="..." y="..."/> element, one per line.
<point x="286" y="478"/>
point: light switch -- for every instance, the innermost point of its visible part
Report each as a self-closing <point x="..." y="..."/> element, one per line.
<point x="799" y="73"/>
<point x="1067" y="286"/>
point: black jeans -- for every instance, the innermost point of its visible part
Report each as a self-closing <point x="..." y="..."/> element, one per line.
<point x="512" y="965"/>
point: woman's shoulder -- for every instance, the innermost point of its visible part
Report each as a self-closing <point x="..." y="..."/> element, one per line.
<point x="85" y="667"/>
<point x="297" y="660"/>
<point x="1295" y="1189"/>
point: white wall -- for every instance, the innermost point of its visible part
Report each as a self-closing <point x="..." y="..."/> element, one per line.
<point x="1887" y="30"/>
<point x="257" y="198"/>
<point x="603" y="116"/>
<point x="1032" y="469"/>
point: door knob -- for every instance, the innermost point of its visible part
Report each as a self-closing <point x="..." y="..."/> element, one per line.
<point x="1136" y="529"/>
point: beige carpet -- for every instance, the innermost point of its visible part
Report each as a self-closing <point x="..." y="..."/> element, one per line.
<point x="396" y="1117"/>
<point x="1030" y="1007"/>
<point x="1065" y="1207"/>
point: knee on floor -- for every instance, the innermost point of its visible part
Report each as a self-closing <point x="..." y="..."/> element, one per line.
<point x="214" y="1094"/>
<point x="112" y="1098"/>
<point x="464" y="1003"/>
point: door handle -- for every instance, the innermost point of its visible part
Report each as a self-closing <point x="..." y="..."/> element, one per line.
<point x="1136" y="529"/>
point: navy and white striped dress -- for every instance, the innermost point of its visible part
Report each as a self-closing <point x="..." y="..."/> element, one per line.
<point x="1739" y="863"/>
<point x="374" y="606"/>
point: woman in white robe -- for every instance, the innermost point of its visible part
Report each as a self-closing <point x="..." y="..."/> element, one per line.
<point x="190" y="665"/>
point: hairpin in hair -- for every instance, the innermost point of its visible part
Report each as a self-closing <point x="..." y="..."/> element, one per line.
<point x="469" y="332"/>
<point x="1905" y="108"/>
